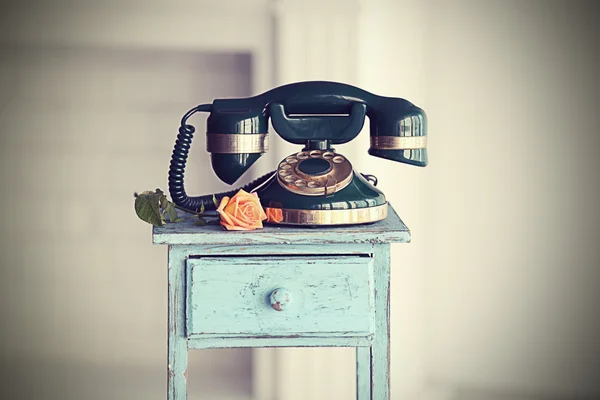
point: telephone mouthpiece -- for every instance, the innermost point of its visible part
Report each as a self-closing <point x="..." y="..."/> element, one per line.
<point x="230" y="167"/>
<point x="401" y="136"/>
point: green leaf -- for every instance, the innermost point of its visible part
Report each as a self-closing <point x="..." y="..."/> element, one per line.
<point x="202" y="208"/>
<point x="200" y="222"/>
<point x="214" y="199"/>
<point x="163" y="201"/>
<point x="179" y="220"/>
<point x="147" y="208"/>
<point x="171" y="211"/>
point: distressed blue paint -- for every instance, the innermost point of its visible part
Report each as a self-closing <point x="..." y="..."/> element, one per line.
<point x="230" y="295"/>
<point x="276" y="249"/>
<point x="177" y="341"/>
<point x="363" y="373"/>
<point x="380" y="350"/>
<point x="390" y="230"/>
<point x="295" y="341"/>
<point x="220" y="285"/>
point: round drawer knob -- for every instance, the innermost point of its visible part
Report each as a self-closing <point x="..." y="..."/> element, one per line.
<point x="281" y="298"/>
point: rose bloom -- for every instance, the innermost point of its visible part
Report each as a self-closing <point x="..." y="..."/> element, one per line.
<point x="242" y="212"/>
<point x="274" y="215"/>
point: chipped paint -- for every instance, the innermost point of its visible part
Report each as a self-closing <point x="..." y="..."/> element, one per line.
<point x="219" y="294"/>
<point x="239" y="294"/>
<point x="390" y="230"/>
<point x="177" y="341"/>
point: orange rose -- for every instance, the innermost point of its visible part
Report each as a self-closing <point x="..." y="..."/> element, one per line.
<point x="242" y="212"/>
<point x="274" y="215"/>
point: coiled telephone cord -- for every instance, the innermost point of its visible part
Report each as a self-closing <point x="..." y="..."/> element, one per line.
<point x="177" y="170"/>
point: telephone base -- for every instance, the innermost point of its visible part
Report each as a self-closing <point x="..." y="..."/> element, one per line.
<point x="358" y="202"/>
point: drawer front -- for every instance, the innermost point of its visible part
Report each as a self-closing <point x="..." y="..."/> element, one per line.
<point x="320" y="296"/>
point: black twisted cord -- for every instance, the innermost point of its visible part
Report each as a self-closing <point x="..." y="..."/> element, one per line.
<point x="177" y="170"/>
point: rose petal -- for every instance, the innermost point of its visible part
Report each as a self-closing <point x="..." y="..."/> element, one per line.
<point x="223" y="203"/>
<point x="262" y="215"/>
<point x="236" y="205"/>
<point x="222" y="212"/>
<point x="238" y="222"/>
<point x="248" y="207"/>
<point x="236" y="228"/>
<point x="249" y="211"/>
<point x="225" y="217"/>
<point x="240" y="193"/>
<point x="246" y="212"/>
<point x="230" y="208"/>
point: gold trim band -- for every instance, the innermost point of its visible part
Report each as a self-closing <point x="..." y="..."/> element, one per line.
<point x="235" y="143"/>
<point x="398" y="142"/>
<point x="285" y="216"/>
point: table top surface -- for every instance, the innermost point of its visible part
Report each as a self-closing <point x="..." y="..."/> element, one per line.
<point x="389" y="230"/>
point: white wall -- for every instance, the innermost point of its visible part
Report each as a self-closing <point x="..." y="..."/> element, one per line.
<point x="516" y="295"/>
<point x="91" y="98"/>
<point x="499" y="289"/>
<point x="84" y="128"/>
<point x="391" y="62"/>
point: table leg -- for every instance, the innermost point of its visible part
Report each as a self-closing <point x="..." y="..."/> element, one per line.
<point x="380" y="350"/>
<point x="177" y="341"/>
<point x="363" y="373"/>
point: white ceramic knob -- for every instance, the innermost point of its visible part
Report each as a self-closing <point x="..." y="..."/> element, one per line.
<point x="281" y="298"/>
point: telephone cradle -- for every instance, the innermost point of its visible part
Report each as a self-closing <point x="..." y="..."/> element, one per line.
<point x="316" y="185"/>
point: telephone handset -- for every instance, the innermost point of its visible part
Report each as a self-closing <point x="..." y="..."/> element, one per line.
<point x="317" y="185"/>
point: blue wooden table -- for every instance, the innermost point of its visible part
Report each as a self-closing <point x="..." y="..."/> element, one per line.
<point x="282" y="286"/>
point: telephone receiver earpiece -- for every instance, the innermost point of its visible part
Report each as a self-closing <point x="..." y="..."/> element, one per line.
<point x="316" y="114"/>
<point x="298" y="130"/>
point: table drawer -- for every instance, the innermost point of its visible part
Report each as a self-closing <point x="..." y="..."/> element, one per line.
<point x="233" y="296"/>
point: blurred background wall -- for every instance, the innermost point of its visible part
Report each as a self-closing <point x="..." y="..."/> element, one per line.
<point x="496" y="298"/>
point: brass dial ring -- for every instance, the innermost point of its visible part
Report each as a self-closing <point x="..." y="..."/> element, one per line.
<point x="292" y="175"/>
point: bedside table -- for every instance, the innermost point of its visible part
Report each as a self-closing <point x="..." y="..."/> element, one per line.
<point x="282" y="287"/>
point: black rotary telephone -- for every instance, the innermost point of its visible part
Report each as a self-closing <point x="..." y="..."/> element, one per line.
<point x="317" y="185"/>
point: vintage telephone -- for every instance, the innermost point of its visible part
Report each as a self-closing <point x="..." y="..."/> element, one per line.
<point x="317" y="185"/>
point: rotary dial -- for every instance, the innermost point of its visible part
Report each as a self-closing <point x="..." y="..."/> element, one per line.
<point x="314" y="172"/>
